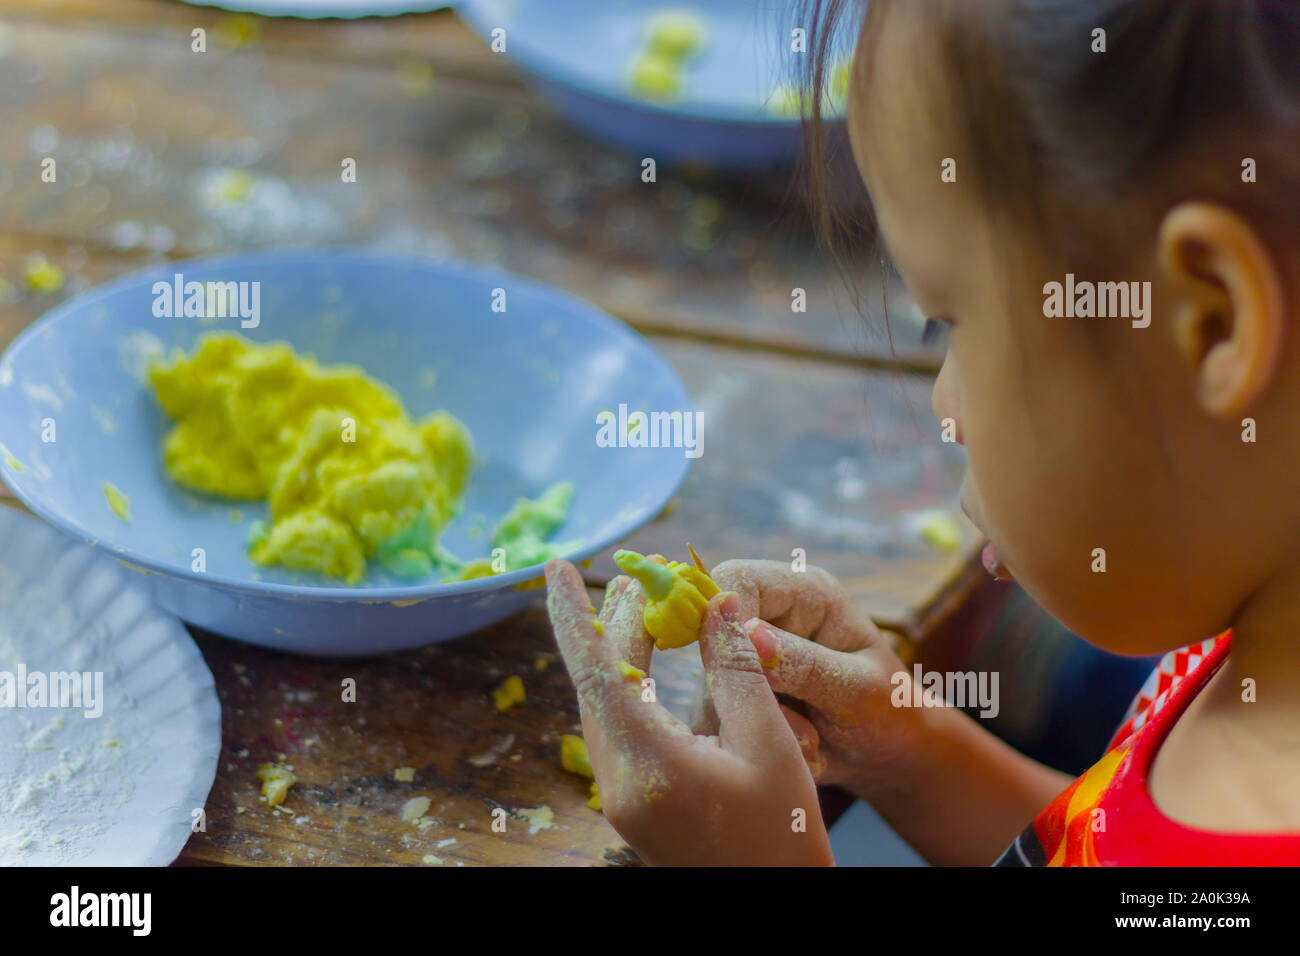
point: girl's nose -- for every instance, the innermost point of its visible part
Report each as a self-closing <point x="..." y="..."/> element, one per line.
<point x="943" y="401"/>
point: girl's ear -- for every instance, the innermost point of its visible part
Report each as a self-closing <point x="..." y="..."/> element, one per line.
<point x="1228" y="307"/>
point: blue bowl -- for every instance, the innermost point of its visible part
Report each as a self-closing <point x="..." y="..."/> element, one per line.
<point x="577" y="54"/>
<point x="528" y="382"/>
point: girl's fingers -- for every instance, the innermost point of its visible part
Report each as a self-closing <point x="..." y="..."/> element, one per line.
<point x="810" y="602"/>
<point x="609" y="689"/>
<point x="704" y="716"/>
<point x="830" y="680"/>
<point x="751" y="722"/>
<point x="623" y="617"/>
<point x="809" y="741"/>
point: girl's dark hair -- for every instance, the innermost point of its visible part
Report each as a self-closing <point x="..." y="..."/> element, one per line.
<point x="1059" y="137"/>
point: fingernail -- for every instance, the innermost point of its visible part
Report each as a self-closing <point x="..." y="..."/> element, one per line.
<point x="764" y="641"/>
<point x="729" y="607"/>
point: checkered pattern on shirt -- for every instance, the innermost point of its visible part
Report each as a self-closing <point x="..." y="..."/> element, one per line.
<point x="1173" y="667"/>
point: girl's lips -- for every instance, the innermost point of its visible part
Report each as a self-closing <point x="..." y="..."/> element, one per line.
<point x="993" y="564"/>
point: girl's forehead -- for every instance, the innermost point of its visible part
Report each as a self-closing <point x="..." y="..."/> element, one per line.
<point x="900" y="102"/>
<point x="909" y="153"/>
<point x="908" y="143"/>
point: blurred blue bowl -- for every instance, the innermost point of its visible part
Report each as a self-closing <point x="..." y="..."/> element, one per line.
<point x="321" y="9"/>
<point x="577" y="54"/>
<point x="528" y="382"/>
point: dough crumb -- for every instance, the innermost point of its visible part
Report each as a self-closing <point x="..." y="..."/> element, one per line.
<point x="538" y="818"/>
<point x="510" y="693"/>
<point x="573" y="755"/>
<point x="415" y="808"/>
<point x="493" y="753"/>
<point x="276" y="781"/>
<point x="119" y="502"/>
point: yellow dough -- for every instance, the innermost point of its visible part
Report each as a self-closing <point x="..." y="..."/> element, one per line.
<point x="276" y="781"/>
<point x="678" y="594"/>
<point x="574" y="758"/>
<point x="510" y="693"/>
<point x="347" y="474"/>
<point x="119" y="502"/>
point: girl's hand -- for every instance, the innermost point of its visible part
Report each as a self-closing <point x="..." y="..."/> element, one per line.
<point x="818" y="646"/>
<point x="951" y="789"/>
<point x="743" y="797"/>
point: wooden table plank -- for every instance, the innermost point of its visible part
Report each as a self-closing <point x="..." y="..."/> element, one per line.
<point x="405" y="42"/>
<point x="429" y="709"/>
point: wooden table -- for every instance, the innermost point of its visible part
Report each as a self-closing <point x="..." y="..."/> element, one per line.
<point x="820" y="436"/>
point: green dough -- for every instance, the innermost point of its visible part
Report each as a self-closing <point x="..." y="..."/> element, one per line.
<point x="523" y="532"/>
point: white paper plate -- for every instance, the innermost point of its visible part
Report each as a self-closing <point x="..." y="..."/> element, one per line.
<point x="316" y="9"/>
<point x="119" y="789"/>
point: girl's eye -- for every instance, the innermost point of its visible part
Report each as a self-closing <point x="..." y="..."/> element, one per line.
<point x="936" y="331"/>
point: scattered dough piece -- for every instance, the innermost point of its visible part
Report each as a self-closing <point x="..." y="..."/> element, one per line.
<point x="655" y="77"/>
<point x="404" y="774"/>
<point x="493" y="753"/>
<point x="42" y="275"/>
<point x="276" y="781"/>
<point x="415" y="808"/>
<point x="10" y="460"/>
<point x="785" y="101"/>
<point x="539" y="818"/>
<point x="509" y="693"/>
<point x="675" y="33"/>
<point x="119" y="502"/>
<point x="631" y="672"/>
<point x="574" y="757"/>
<point x="939" y="528"/>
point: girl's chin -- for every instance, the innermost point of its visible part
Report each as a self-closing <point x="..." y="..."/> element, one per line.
<point x="993" y="564"/>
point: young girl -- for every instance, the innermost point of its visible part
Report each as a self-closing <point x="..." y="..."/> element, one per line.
<point x="1132" y="457"/>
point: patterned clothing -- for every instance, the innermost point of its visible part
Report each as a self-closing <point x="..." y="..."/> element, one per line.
<point x="1107" y="816"/>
